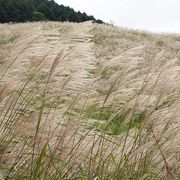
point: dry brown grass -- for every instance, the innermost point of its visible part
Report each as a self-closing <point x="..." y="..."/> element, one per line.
<point x="89" y="102"/>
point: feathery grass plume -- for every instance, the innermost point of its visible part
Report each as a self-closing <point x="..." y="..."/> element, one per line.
<point x="60" y="57"/>
<point x="3" y="91"/>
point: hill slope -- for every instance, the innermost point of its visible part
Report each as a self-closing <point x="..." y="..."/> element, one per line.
<point x="88" y="101"/>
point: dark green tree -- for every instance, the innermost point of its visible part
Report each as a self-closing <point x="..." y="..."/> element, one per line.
<point x="38" y="10"/>
<point x="37" y="16"/>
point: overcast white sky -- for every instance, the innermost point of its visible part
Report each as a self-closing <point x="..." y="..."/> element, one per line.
<point x="151" y="15"/>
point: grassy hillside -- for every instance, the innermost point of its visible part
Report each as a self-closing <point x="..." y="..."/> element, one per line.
<point x="88" y="101"/>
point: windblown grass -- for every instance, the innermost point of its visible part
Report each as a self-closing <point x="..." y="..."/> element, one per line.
<point x="61" y="121"/>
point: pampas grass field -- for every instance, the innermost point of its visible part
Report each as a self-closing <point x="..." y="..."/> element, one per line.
<point x="88" y="101"/>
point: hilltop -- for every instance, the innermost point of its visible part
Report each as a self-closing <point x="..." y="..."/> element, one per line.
<point x="39" y="10"/>
<point x="88" y="101"/>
